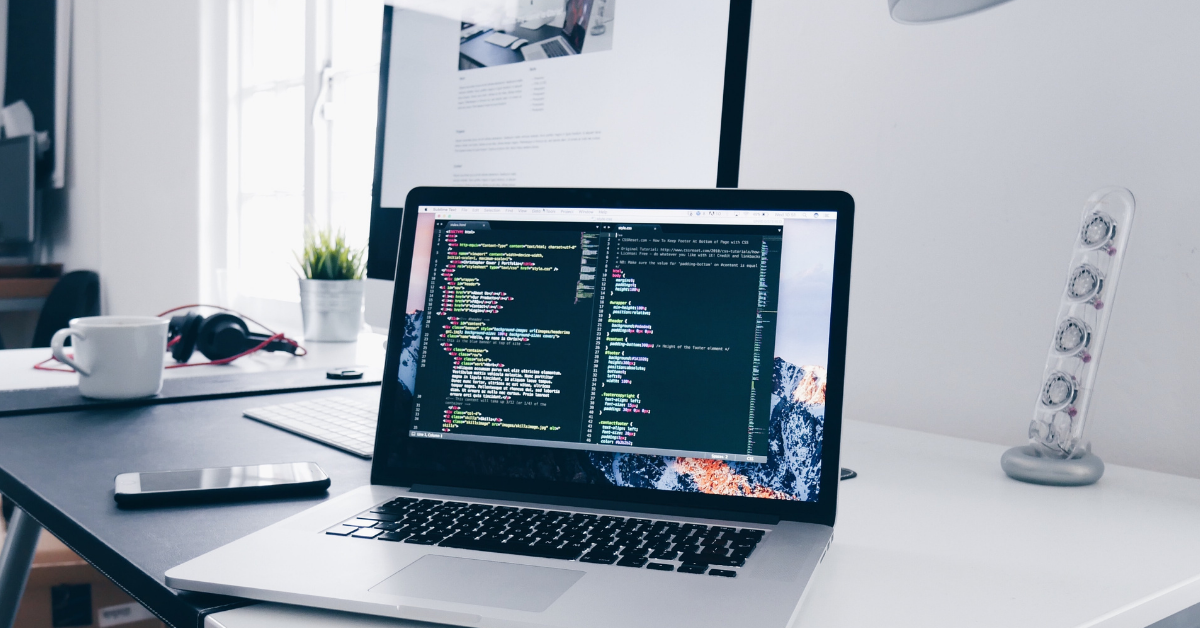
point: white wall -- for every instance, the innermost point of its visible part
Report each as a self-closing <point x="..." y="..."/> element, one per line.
<point x="134" y="151"/>
<point x="970" y="147"/>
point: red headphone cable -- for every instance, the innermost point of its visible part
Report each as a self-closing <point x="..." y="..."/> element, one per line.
<point x="278" y="336"/>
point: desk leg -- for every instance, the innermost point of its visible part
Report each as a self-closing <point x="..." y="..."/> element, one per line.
<point x="15" y="560"/>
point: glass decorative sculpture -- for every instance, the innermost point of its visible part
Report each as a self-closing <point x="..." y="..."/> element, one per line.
<point x="1057" y="453"/>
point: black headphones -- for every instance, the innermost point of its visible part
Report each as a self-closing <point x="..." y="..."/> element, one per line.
<point x="218" y="337"/>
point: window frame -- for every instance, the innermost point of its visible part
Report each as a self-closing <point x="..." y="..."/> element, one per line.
<point x="320" y="81"/>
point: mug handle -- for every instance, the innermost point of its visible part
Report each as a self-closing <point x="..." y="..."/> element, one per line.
<point x="56" y="348"/>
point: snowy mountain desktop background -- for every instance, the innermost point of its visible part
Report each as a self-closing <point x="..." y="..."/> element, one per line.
<point x="797" y="426"/>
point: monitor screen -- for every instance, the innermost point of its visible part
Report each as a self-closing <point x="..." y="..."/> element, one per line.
<point x="672" y="349"/>
<point x="17" y="190"/>
<point x="554" y="93"/>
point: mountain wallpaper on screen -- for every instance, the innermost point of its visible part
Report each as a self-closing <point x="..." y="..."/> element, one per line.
<point x="792" y="470"/>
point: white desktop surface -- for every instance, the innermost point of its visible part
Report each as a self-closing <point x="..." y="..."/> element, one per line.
<point x="932" y="534"/>
<point x="17" y="372"/>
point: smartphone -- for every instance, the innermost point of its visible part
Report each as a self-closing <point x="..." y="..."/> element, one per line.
<point x="261" y="481"/>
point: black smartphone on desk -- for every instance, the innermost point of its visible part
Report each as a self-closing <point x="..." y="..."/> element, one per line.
<point x="263" y="481"/>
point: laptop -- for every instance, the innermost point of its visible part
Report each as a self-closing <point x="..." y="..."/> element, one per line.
<point x="547" y="49"/>
<point x="574" y="29"/>
<point x="600" y="407"/>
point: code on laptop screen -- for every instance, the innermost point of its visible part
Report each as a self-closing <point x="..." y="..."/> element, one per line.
<point x="648" y="349"/>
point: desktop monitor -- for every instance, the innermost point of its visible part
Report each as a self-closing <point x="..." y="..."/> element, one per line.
<point x="552" y="93"/>
<point x="16" y="190"/>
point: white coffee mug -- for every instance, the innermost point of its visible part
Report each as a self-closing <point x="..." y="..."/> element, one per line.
<point x="117" y="357"/>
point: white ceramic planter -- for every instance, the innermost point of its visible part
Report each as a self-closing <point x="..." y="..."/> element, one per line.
<point x="332" y="309"/>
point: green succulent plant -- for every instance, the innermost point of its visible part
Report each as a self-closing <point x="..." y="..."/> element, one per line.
<point x="326" y="255"/>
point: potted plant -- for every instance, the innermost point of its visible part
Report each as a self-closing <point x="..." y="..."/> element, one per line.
<point x="331" y="287"/>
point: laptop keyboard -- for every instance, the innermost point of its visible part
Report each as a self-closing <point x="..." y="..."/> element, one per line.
<point x="554" y="48"/>
<point x="628" y="542"/>
<point x="343" y="423"/>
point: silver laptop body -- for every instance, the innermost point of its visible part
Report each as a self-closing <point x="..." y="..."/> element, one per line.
<point x="555" y="46"/>
<point x="623" y="521"/>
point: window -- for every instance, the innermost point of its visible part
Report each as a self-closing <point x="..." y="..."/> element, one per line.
<point x="303" y="82"/>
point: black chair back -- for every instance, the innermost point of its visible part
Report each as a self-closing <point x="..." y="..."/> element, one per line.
<point x="76" y="294"/>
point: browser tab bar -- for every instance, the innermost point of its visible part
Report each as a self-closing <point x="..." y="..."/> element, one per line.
<point x="629" y="215"/>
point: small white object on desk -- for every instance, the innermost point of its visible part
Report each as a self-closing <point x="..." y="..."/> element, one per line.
<point x="116" y="357"/>
<point x="500" y="39"/>
<point x="932" y="534"/>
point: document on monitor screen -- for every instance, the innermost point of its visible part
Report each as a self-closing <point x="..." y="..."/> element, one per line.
<point x="611" y="100"/>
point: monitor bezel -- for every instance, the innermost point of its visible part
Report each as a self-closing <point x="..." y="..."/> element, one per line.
<point x="385" y="225"/>
<point x="393" y="420"/>
<point x="28" y="190"/>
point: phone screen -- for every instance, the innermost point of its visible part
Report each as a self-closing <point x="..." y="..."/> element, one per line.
<point x="231" y="477"/>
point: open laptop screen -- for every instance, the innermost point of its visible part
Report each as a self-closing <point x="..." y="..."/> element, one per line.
<point x="673" y="349"/>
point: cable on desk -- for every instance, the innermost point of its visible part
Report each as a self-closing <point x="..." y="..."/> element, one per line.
<point x="274" y="336"/>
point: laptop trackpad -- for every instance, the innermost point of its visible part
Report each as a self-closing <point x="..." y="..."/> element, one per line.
<point x="480" y="582"/>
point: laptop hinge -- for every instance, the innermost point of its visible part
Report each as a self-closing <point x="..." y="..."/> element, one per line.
<point x="597" y="504"/>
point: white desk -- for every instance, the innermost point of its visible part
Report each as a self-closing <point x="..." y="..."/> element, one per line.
<point x="932" y="534"/>
<point x="17" y="372"/>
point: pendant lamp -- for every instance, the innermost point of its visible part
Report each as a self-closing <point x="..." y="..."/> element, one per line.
<point x="925" y="11"/>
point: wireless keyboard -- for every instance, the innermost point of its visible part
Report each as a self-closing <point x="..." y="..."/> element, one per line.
<point x="342" y="423"/>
